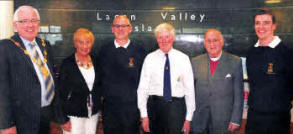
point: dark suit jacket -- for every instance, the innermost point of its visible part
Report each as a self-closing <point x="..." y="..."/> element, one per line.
<point x="74" y="90"/>
<point x="219" y="98"/>
<point x="20" y="89"/>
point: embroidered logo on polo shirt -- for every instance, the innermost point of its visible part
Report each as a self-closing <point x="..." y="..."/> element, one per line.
<point x="270" y="68"/>
<point x="130" y="64"/>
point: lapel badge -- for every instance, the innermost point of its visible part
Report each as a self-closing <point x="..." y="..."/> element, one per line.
<point x="178" y="79"/>
<point x="130" y="64"/>
<point x="270" y="68"/>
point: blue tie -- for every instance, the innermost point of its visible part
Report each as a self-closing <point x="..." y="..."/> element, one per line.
<point x="167" y="81"/>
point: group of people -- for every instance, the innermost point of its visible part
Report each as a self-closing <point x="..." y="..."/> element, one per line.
<point x="163" y="92"/>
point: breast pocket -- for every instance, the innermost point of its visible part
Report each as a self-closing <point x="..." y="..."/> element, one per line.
<point x="223" y="84"/>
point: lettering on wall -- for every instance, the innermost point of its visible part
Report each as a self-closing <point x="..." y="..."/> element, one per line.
<point x="145" y="21"/>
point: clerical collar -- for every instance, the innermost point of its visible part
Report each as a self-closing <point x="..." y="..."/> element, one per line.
<point x="125" y="46"/>
<point x="272" y="44"/>
<point x="217" y="58"/>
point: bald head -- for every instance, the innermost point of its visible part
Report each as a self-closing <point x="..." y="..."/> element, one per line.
<point x="121" y="18"/>
<point x="213" y="42"/>
<point x="213" y="31"/>
<point x="121" y="29"/>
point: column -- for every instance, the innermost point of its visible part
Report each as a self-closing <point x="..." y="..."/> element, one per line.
<point x="6" y="18"/>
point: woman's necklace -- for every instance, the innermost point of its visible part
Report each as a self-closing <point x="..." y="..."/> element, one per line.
<point x="87" y="65"/>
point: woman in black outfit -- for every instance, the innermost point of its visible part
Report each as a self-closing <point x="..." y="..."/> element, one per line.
<point x="78" y="86"/>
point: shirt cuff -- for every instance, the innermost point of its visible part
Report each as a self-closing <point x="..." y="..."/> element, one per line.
<point x="235" y="123"/>
<point x="143" y="113"/>
<point x="189" y="116"/>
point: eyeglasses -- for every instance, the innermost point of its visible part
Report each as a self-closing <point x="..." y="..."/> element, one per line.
<point x="122" y="26"/>
<point x="212" y="41"/>
<point x="33" y="21"/>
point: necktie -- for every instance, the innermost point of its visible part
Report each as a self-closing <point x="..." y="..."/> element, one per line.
<point x="45" y="72"/>
<point x="167" y="81"/>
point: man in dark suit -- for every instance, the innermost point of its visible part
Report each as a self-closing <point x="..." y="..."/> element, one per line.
<point x="26" y="82"/>
<point x="120" y="63"/>
<point x="218" y="88"/>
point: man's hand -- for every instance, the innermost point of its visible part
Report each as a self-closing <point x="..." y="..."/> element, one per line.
<point x="67" y="126"/>
<point x="186" y="127"/>
<point x="11" y="130"/>
<point x="145" y="124"/>
<point x="233" y="127"/>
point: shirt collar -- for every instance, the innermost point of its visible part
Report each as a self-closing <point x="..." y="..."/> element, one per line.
<point x="125" y="46"/>
<point x="217" y="58"/>
<point x="27" y="42"/>
<point x="272" y="44"/>
<point x="162" y="53"/>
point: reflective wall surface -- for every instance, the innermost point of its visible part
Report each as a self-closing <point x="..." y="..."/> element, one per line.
<point x="191" y="18"/>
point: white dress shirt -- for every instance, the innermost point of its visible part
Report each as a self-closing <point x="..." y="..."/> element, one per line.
<point x="89" y="76"/>
<point x="26" y="43"/>
<point x="152" y="79"/>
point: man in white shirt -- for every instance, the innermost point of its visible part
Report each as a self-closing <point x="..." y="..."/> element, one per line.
<point x="166" y="90"/>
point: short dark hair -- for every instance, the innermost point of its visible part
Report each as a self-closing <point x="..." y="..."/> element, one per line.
<point x="265" y="11"/>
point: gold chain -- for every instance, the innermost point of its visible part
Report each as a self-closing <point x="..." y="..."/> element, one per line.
<point x="43" y="69"/>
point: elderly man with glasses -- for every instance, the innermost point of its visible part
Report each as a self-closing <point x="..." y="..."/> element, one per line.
<point x="27" y="88"/>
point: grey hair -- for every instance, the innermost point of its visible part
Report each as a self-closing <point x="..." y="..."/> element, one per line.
<point x="15" y="17"/>
<point x="166" y="26"/>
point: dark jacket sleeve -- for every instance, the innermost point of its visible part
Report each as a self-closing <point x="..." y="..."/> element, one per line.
<point x="62" y="93"/>
<point x="99" y="64"/>
<point x="6" y="110"/>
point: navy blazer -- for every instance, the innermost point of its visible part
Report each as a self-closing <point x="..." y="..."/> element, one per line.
<point x="20" y="89"/>
<point x="74" y="90"/>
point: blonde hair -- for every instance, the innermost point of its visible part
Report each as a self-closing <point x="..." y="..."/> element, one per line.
<point x="165" y="26"/>
<point x="84" y="32"/>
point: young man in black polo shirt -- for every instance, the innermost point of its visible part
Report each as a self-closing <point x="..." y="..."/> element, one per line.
<point x="120" y="63"/>
<point x="269" y="66"/>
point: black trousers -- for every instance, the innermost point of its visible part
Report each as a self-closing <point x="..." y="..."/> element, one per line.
<point x="46" y="117"/>
<point x="121" y="118"/>
<point x="268" y="123"/>
<point x="166" y="117"/>
<point x="122" y="130"/>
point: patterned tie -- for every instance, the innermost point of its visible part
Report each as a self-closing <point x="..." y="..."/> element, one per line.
<point x="167" y="81"/>
<point x="45" y="72"/>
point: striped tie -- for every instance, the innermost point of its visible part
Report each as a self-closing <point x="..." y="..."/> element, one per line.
<point x="45" y="72"/>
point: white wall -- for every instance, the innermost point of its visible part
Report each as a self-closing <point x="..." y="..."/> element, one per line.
<point x="6" y="18"/>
